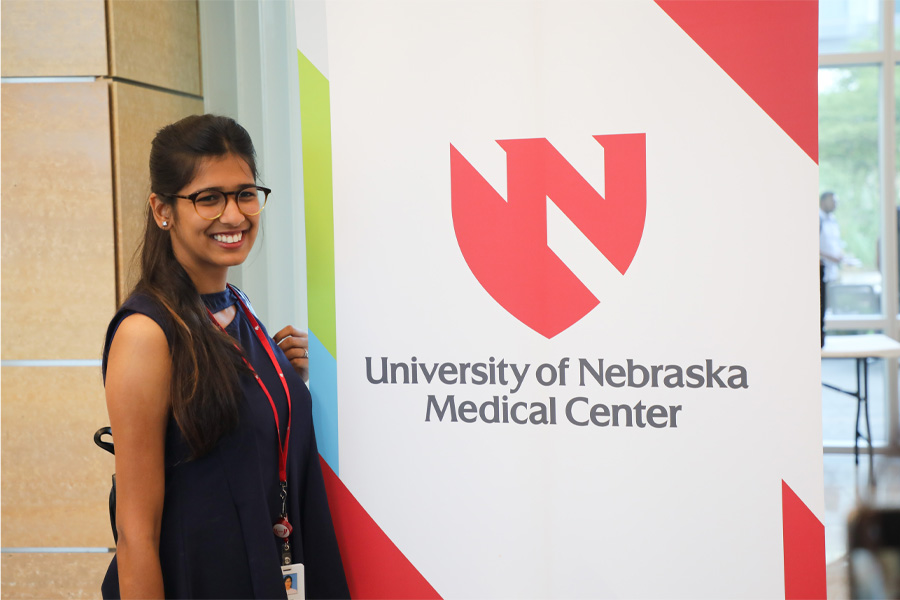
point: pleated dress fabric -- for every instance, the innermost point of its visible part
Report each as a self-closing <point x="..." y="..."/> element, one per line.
<point x="216" y="539"/>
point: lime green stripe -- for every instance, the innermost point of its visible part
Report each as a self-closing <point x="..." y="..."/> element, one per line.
<point x="315" y="125"/>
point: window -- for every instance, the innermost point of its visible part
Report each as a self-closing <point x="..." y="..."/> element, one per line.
<point x="849" y="26"/>
<point x="848" y="167"/>
<point x="859" y="160"/>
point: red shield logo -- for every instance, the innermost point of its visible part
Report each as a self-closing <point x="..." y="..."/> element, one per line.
<point x="504" y="241"/>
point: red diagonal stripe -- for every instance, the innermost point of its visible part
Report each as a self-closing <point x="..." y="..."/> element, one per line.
<point x="768" y="48"/>
<point x="804" y="549"/>
<point x="374" y="566"/>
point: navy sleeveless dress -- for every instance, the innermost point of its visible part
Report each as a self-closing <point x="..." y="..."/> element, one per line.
<point x="216" y="537"/>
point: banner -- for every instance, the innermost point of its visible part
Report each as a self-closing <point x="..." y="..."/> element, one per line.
<point x="563" y="307"/>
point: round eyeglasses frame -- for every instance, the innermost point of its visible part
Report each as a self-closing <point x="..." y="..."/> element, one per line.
<point x="193" y="198"/>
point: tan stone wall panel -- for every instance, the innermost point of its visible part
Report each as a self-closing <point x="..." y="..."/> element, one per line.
<point x="138" y="113"/>
<point x="46" y="575"/>
<point x="156" y="42"/>
<point x="58" y="276"/>
<point x="53" y="38"/>
<point x="56" y="481"/>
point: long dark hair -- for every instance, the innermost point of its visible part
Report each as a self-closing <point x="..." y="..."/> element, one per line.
<point x="205" y="388"/>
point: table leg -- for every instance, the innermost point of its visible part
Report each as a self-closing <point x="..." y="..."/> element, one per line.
<point x="862" y="404"/>
<point x="859" y="402"/>
<point x="865" y="394"/>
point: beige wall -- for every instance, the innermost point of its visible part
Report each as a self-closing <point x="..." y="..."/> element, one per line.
<point x="57" y="220"/>
<point x="155" y="42"/>
<point x="137" y="112"/>
<point x="53" y="38"/>
<point x="74" y="184"/>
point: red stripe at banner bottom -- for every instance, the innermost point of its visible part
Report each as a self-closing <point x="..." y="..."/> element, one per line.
<point x="374" y="566"/>
<point x="804" y="549"/>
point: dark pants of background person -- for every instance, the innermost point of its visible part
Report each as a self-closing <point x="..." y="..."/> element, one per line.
<point x="822" y="300"/>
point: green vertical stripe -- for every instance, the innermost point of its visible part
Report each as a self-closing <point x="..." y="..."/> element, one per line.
<point x="315" y="125"/>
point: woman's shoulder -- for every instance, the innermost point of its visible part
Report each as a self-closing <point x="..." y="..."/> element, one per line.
<point x="142" y="335"/>
<point x="152" y="319"/>
<point x="142" y="303"/>
<point x="243" y="301"/>
<point x="241" y="296"/>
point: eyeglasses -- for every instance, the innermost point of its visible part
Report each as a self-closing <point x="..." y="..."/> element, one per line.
<point x="210" y="204"/>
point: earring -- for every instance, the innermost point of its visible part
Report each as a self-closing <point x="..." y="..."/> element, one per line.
<point x="165" y="224"/>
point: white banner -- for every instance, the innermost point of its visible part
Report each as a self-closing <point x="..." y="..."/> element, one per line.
<point x="576" y="327"/>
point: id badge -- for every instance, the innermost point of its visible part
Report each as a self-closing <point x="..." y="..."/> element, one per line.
<point x="293" y="581"/>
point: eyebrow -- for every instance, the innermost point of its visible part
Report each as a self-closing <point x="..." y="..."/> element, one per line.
<point x="219" y="188"/>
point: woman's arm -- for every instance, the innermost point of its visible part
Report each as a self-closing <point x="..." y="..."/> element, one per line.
<point x="138" y="375"/>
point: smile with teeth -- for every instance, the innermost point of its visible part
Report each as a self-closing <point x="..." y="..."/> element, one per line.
<point x="228" y="239"/>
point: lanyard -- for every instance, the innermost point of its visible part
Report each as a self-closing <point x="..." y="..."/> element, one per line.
<point x="282" y="527"/>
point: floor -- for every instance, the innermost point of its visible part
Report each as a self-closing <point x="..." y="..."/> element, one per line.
<point x="846" y="486"/>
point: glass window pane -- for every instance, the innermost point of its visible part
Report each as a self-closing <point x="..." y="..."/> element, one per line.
<point x="848" y="166"/>
<point x="849" y="26"/>
<point x="896" y="25"/>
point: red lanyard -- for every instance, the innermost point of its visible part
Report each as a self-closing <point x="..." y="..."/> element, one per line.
<point x="257" y="329"/>
<point x="282" y="528"/>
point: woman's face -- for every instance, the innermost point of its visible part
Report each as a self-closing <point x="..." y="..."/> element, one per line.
<point x="207" y="248"/>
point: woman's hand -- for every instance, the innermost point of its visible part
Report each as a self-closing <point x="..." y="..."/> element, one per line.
<point x="295" y="345"/>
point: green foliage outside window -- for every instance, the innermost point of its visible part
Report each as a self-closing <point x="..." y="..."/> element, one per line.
<point x="848" y="155"/>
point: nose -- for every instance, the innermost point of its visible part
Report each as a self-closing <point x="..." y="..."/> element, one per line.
<point x="232" y="214"/>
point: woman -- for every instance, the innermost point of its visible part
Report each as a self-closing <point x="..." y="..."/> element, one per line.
<point x="218" y="479"/>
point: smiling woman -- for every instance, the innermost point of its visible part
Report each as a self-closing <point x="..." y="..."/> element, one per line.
<point x="216" y="456"/>
<point x="206" y="246"/>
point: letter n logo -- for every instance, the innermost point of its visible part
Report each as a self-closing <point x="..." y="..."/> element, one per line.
<point x="504" y="241"/>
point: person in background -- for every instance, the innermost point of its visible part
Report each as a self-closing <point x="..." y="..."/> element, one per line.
<point x="217" y="472"/>
<point x="831" y="250"/>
